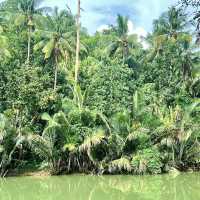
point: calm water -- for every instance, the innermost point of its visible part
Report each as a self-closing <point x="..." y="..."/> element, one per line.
<point x="166" y="187"/>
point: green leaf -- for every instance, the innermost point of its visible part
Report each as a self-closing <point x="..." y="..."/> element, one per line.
<point x="20" y="19"/>
<point x="46" y="117"/>
<point x="1" y="149"/>
<point x="39" y="45"/>
<point x="48" y="48"/>
<point x="69" y="147"/>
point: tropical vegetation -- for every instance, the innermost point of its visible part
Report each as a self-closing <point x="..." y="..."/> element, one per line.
<point x="101" y="104"/>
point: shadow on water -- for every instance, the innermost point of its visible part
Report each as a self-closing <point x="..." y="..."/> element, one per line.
<point x="165" y="187"/>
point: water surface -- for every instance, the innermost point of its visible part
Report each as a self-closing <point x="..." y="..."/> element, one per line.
<point x="77" y="187"/>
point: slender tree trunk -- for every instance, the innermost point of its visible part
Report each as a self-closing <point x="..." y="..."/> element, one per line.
<point x="123" y="56"/>
<point x="125" y="51"/>
<point x="29" y="45"/>
<point x="77" y="64"/>
<point x="55" y="74"/>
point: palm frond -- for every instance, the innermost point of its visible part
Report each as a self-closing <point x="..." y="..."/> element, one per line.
<point x="122" y="164"/>
<point x="69" y="147"/>
<point x="122" y="25"/>
<point x="48" y="48"/>
<point x="20" y="19"/>
<point x="92" y="141"/>
<point x="39" y="45"/>
<point x="40" y="146"/>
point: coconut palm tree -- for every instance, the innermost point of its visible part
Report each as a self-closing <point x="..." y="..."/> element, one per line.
<point x="170" y="32"/>
<point x="195" y="5"/>
<point x="186" y="55"/>
<point x="170" y="23"/>
<point x="57" y="38"/>
<point x="123" y="43"/>
<point x="25" y="13"/>
<point x="120" y="42"/>
<point x="169" y="26"/>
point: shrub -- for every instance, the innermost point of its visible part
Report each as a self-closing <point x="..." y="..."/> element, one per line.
<point x="147" y="161"/>
<point x="135" y="141"/>
<point x="120" y="165"/>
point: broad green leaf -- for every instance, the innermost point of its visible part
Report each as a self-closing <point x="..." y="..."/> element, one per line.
<point x="46" y="117"/>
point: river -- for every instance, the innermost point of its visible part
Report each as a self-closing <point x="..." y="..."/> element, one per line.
<point x="184" y="186"/>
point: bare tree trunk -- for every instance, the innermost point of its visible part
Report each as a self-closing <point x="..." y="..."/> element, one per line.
<point x="125" y="51"/>
<point x="55" y="74"/>
<point x="77" y="64"/>
<point x="29" y="45"/>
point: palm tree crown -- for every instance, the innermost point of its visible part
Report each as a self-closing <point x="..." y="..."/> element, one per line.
<point x="121" y="42"/>
<point x="57" y="38"/>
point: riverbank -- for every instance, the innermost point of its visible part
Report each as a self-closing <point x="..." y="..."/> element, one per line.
<point x="28" y="173"/>
<point x="45" y="173"/>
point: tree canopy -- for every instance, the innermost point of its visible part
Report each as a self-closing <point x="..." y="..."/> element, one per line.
<point x="101" y="103"/>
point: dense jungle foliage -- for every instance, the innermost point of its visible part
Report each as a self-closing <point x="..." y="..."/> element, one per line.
<point x="132" y="110"/>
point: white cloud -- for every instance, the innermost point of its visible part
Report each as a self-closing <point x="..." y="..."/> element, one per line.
<point x="144" y="11"/>
<point x="102" y="28"/>
<point x="139" y="31"/>
<point x="136" y="30"/>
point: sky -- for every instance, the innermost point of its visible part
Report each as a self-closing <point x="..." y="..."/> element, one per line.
<point x="97" y="14"/>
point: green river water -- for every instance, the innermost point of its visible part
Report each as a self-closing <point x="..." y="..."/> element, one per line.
<point x="77" y="187"/>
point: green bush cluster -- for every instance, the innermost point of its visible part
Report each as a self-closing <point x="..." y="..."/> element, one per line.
<point x="147" y="161"/>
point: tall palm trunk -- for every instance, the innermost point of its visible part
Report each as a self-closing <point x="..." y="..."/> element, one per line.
<point x="29" y="45"/>
<point x="77" y="64"/>
<point x="55" y="74"/>
<point x="125" y="51"/>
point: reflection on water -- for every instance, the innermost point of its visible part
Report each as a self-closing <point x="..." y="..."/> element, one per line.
<point x="166" y="187"/>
